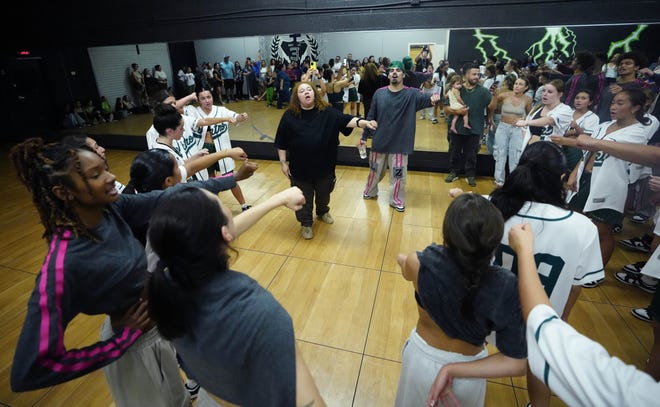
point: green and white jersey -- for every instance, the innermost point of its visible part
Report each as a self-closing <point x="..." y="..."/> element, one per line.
<point x="652" y="266"/>
<point x="610" y="175"/>
<point x="219" y="133"/>
<point x="638" y="171"/>
<point x="566" y="249"/>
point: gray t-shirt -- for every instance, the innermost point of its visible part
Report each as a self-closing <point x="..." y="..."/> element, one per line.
<point x="395" y="113"/>
<point x="240" y="343"/>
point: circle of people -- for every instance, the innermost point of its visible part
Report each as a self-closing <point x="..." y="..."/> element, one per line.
<point x="568" y="175"/>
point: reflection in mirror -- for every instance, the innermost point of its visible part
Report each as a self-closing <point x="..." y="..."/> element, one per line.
<point x="320" y="47"/>
<point x="538" y="44"/>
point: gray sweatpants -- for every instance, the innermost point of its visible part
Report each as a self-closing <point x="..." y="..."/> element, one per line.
<point x="420" y="364"/>
<point x="147" y="374"/>
<point x="398" y="166"/>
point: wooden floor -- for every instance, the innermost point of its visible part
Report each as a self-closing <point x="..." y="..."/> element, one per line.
<point x="350" y="306"/>
<point x="263" y="122"/>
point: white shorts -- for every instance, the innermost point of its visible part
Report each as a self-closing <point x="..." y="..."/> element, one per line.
<point x="420" y="366"/>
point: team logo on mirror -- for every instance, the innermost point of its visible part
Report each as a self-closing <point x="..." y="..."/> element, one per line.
<point x="295" y="50"/>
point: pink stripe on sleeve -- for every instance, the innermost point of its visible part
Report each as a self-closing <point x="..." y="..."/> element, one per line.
<point x="56" y="243"/>
<point x="111" y="351"/>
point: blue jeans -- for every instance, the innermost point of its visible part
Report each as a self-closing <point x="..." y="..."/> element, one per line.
<point x="283" y="95"/>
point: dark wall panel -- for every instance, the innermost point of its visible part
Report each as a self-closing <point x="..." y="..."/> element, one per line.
<point x="131" y="22"/>
<point x="466" y="45"/>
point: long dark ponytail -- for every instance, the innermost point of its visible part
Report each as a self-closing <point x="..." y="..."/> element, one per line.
<point x="472" y="230"/>
<point x="539" y="177"/>
<point x="190" y="248"/>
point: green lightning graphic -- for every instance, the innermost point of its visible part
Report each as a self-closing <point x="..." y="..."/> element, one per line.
<point x="624" y="44"/>
<point x="492" y="41"/>
<point x="555" y="39"/>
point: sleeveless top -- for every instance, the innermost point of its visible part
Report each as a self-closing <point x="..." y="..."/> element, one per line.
<point x="510" y="109"/>
<point x="335" y="98"/>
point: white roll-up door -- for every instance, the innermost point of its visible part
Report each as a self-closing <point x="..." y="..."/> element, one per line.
<point x="112" y="66"/>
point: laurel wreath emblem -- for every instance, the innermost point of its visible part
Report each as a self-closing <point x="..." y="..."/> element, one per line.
<point x="275" y="47"/>
<point x="314" y="45"/>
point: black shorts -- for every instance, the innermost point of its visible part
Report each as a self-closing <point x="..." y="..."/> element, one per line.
<point x="579" y="200"/>
<point x="606" y="216"/>
<point x="352" y="95"/>
<point x="229" y="83"/>
<point x="654" y="308"/>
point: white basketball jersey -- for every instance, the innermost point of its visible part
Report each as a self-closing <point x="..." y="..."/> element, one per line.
<point x="220" y="134"/>
<point x="566" y="249"/>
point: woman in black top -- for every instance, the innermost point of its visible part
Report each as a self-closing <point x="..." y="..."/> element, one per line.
<point x="308" y="130"/>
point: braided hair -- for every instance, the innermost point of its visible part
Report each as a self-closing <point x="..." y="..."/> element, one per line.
<point x="472" y="231"/>
<point x="40" y="167"/>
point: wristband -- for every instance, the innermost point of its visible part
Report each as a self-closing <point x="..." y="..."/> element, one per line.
<point x="357" y="123"/>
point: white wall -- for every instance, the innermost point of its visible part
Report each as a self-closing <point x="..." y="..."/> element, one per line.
<point x="238" y="49"/>
<point x="390" y="43"/>
<point x="112" y="65"/>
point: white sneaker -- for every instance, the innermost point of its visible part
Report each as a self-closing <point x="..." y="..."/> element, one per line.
<point x="327" y="218"/>
<point x="307" y="232"/>
<point x="642" y="314"/>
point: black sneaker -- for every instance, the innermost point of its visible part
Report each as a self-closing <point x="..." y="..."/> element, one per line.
<point x="593" y="284"/>
<point x="471" y="181"/>
<point x="245" y="207"/>
<point x="642" y="244"/>
<point x="193" y="388"/>
<point x="451" y="177"/>
<point x="636" y="280"/>
<point x="634" y="268"/>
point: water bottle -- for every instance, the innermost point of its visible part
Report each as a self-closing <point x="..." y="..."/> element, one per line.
<point x="362" y="149"/>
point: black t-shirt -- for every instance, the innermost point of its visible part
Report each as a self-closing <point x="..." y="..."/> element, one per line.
<point x="312" y="140"/>
<point x="421" y="64"/>
<point x="536" y="130"/>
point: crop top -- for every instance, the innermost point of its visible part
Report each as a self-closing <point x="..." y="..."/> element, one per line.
<point x="513" y="110"/>
<point x="496" y="304"/>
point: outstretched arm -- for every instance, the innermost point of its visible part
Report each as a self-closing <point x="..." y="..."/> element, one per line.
<point x="209" y="121"/>
<point x="194" y="165"/>
<point x="292" y="198"/>
<point x="540" y="122"/>
<point x="362" y="123"/>
<point x="643" y="154"/>
<point x="521" y="240"/>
